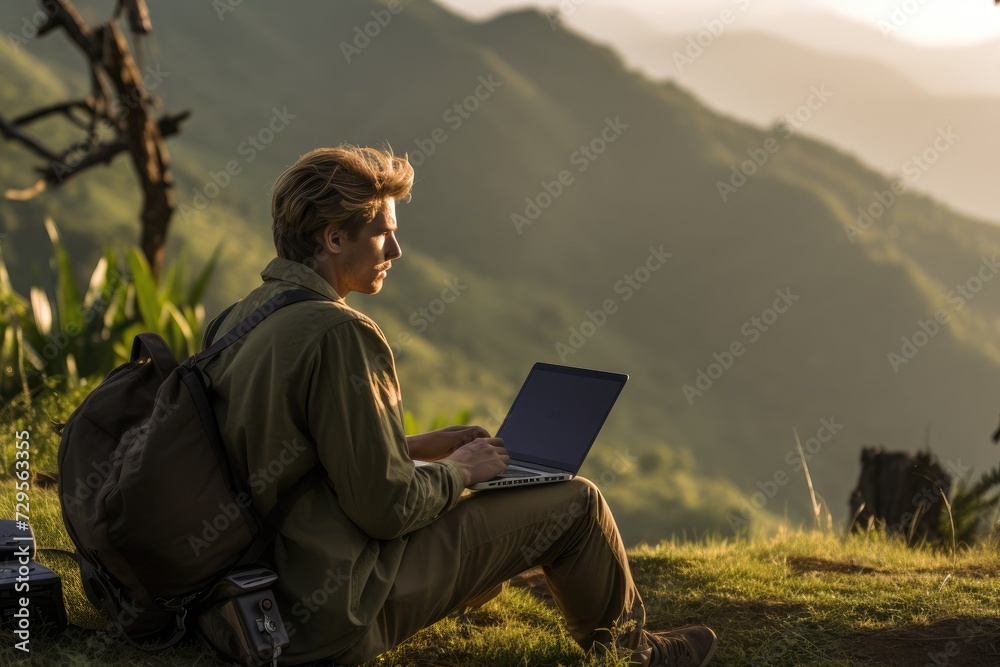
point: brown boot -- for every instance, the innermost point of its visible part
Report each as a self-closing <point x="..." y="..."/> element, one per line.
<point x="692" y="646"/>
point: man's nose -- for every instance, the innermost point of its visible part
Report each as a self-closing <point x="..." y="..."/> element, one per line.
<point x="393" y="251"/>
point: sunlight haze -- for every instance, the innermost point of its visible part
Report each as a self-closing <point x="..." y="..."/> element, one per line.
<point x="927" y="22"/>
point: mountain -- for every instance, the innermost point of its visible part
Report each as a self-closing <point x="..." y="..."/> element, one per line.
<point x="950" y="71"/>
<point x="883" y="104"/>
<point x="955" y="71"/>
<point x="595" y="218"/>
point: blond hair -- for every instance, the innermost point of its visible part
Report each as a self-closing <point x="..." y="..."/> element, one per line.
<point x="345" y="186"/>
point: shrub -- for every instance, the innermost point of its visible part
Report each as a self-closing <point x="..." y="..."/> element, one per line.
<point x="64" y="341"/>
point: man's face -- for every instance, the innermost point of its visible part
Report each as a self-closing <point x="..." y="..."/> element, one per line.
<point x="362" y="263"/>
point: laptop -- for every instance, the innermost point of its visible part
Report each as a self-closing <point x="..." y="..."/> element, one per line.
<point x="553" y="423"/>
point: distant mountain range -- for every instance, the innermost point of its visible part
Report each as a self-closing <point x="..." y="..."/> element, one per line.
<point x="960" y="71"/>
<point x="596" y="217"/>
<point x="888" y="99"/>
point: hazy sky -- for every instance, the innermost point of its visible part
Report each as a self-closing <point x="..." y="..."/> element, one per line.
<point x="922" y="21"/>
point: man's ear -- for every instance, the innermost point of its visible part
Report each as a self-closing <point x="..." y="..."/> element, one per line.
<point x="329" y="240"/>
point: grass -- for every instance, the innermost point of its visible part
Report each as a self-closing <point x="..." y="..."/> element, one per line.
<point x="48" y="406"/>
<point x="813" y="598"/>
<point x="799" y="598"/>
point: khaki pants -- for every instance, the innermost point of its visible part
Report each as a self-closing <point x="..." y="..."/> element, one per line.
<point x="491" y="536"/>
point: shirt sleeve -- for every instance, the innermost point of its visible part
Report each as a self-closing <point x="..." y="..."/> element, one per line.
<point x="355" y="414"/>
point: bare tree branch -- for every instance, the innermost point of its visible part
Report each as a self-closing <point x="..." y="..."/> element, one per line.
<point x="136" y="130"/>
<point x="138" y="16"/>
<point x="11" y="131"/>
<point x="58" y="171"/>
<point x="64" y="14"/>
<point x="63" y="108"/>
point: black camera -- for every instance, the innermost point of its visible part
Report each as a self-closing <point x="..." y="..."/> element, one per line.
<point x="31" y="598"/>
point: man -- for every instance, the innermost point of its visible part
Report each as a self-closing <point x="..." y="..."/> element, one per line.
<point x="384" y="548"/>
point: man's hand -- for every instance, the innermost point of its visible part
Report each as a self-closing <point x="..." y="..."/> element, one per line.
<point x="443" y="442"/>
<point x="481" y="459"/>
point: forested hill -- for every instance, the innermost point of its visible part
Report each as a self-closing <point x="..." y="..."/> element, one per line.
<point x="567" y="209"/>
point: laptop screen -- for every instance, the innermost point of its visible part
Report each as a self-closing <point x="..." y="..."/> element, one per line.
<point x="558" y="413"/>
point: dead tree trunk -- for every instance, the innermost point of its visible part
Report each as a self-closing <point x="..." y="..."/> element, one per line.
<point x="149" y="151"/>
<point x="902" y="491"/>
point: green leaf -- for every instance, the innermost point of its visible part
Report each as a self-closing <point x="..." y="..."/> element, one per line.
<point x="98" y="279"/>
<point x="198" y="288"/>
<point x="8" y="373"/>
<point x="117" y="278"/>
<point x="41" y="311"/>
<point x="69" y="310"/>
<point x="121" y="353"/>
<point x="108" y="320"/>
<point x="72" y="376"/>
<point x="150" y="308"/>
<point x="186" y="331"/>
<point x="172" y="284"/>
<point x="5" y="285"/>
<point x="31" y="355"/>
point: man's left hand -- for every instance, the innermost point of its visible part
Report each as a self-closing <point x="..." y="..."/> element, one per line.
<point x="443" y="442"/>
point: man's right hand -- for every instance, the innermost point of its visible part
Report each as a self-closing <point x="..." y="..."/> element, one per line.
<point x="481" y="459"/>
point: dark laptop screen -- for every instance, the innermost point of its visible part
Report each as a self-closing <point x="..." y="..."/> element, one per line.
<point x="558" y="413"/>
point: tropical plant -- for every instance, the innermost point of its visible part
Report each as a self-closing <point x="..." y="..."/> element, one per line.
<point x="973" y="506"/>
<point x="171" y="308"/>
<point x="80" y="339"/>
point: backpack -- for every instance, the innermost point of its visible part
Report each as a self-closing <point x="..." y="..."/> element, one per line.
<point x="147" y="494"/>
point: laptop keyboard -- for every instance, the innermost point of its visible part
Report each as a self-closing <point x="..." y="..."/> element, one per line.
<point x="516" y="473"/>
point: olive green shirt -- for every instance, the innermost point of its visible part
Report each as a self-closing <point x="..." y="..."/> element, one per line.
<point x="315" y="383"/>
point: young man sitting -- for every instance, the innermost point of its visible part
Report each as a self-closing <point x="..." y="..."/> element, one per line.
<point x="384" y="548"/>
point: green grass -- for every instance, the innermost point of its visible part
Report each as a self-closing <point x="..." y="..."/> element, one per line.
<point x="794" y="599"/>
<point x="48" y="407"/>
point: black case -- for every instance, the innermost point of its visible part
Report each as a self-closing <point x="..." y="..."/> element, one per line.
<point x="46" y="611"/>
<point x="45" y="600"/>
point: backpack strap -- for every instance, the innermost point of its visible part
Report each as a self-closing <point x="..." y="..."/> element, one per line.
<point x="274" y="304"/>
<point x="213" y="328"/>
<point x="151" y="346"/>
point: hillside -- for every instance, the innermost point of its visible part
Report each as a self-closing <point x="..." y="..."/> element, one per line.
<point x="544" y="98"/>
<point x="797" y="599"/>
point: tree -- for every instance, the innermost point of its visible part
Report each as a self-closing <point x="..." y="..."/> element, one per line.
<point x="119" y="105"/>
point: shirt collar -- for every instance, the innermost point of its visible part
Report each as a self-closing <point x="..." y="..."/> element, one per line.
<point x="299" y="274"/>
